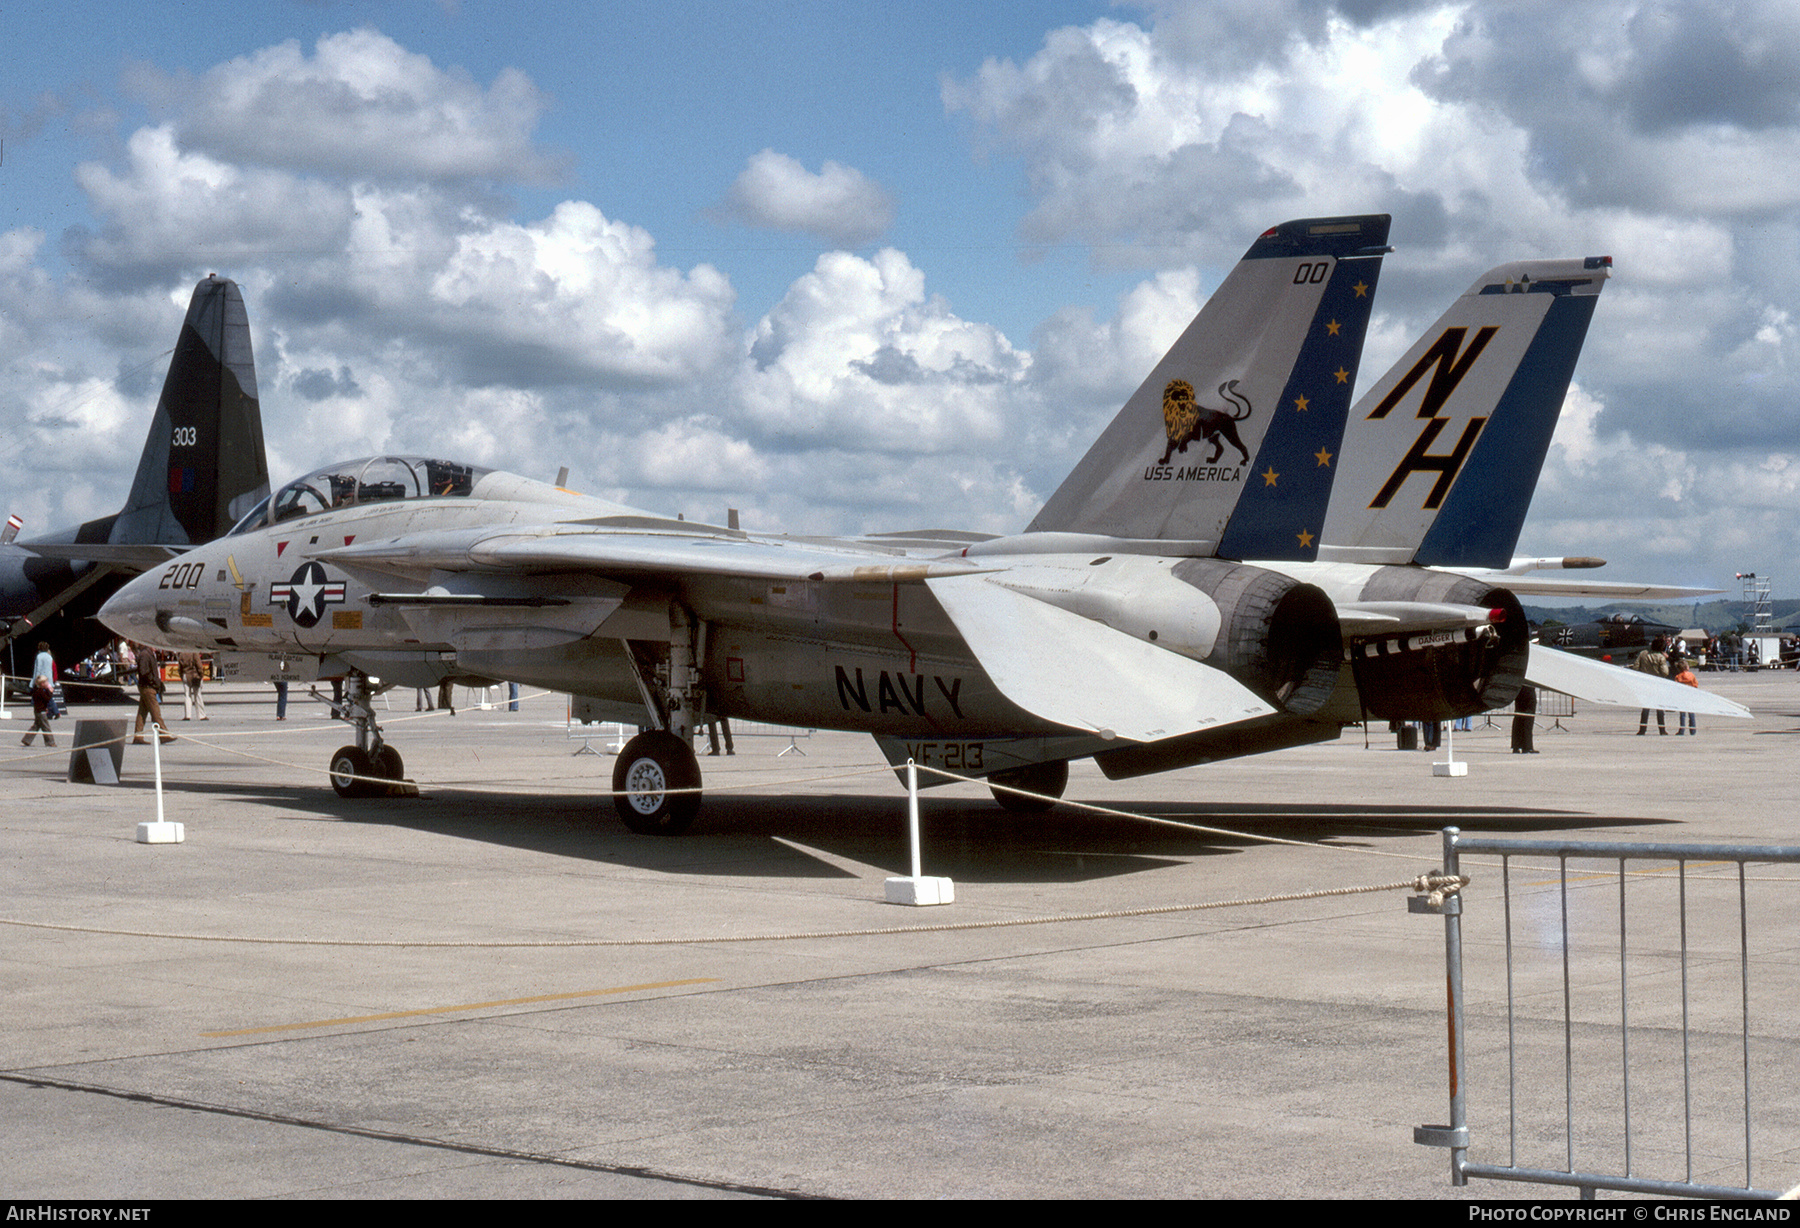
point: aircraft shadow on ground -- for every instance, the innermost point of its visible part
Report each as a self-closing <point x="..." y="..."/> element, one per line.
<point x="969" y="839"/>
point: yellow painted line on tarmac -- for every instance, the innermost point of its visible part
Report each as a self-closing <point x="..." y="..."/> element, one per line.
<point x="466" y="1006"/>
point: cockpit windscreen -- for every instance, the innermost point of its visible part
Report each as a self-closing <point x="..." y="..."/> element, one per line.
<point x="370" y="479"/>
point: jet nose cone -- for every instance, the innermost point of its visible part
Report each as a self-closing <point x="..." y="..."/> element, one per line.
<point x="131" y="612"/>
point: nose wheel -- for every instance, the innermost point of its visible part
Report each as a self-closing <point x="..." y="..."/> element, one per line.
<point x="649" y="777"/>
<point x="370" y="768"/>
<point x="349" y="764"/>
<point x="356" y="772"/>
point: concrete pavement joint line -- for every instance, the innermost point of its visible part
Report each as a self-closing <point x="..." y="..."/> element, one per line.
<point x="411" y="1140"/>
<point x="1423" y="883"/>
<point x="466" y="1006"/>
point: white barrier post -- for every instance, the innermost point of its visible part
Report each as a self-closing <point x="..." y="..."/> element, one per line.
<point x="917" y="889"/>
<point x="159" y="832"/>
<point x="1449" y="767"/>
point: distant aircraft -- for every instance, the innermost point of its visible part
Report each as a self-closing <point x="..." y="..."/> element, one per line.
<point x="201" y="469"/>
<point x="1117" y="626"/>
<point x="1617" y="637"/>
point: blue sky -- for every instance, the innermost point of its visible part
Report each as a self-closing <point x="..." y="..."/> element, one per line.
<point x="852" y="267"/>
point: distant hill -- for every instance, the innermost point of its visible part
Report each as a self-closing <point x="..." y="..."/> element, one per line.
<point x="1715" y="615"/>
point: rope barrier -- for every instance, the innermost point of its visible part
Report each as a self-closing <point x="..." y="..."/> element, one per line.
<point x="1425" y="883"/>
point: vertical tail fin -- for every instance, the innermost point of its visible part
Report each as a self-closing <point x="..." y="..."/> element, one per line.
<point x="1256" y="386"/>
<point x="1443" y="453"/>
<point x="203" y="465"/>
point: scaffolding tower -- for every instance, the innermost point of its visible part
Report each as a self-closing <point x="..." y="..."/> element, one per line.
<point x="1762" y="608"/>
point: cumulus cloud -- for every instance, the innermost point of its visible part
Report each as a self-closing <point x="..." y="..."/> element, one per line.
<point x="398" y="303"/>
<point x="839" y="205"/>
<point x="395" y="309"/>
<point x="857" y="351"/>
<point x="168" y="206"/>
<point x="583" y="294"/>
<point x="361" y="106"/>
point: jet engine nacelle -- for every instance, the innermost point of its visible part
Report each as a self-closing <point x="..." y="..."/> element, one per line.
<point x="1274" y="634"/>
<point x="1440" y="675"/>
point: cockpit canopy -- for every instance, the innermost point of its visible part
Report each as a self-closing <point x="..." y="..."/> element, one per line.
<point x="368" y="479"/>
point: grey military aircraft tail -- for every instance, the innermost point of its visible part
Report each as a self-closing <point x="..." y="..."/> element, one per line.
<point x="1443" y="453"/>
<point x="202" y="468"/>
<point x="1217" y="448"/>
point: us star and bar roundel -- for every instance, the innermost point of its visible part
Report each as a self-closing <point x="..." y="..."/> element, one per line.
<point x="307" y="594"/>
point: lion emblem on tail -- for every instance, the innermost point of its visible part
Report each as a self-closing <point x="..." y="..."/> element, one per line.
<point x="1187" y="420"/>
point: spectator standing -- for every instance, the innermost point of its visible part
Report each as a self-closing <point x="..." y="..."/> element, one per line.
<point x="1653" y="660"/>
<point x="1524" y="721"/>
<point x="1687" y="722"/>
<point x="43" y="683"/>
<point x="193" y="675"/>
<point x="150" y="688"/>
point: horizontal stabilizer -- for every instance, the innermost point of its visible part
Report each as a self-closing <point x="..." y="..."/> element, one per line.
<point x="1600" y="683"/>
<point x="1079" y="673"/>
<point x="123" y="557"/>
<point x="1556" y="586"/>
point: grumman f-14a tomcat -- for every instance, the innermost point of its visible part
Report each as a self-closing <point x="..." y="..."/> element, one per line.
<point x="1123" y="624"/>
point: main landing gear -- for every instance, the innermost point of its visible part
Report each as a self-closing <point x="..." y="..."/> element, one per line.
<point x="1048" y="779"/>
<point x="656" y="778"/>
<point x="646" y="777"/>
<point x="370" y="768"/>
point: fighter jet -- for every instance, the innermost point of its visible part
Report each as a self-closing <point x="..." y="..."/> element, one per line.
<point x="1615" y="637"/>
<point x="201" y="469"/>
<point x="1120" y="625"/>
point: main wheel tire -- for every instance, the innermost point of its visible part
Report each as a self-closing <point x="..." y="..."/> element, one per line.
<point x="388" y="764"/>
<point x="348" y="763"/>
<point x="1050" y="779"/>
<point x="651" y="765"/>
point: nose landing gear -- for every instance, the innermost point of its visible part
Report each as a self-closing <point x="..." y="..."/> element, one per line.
<point x="370" y="768"/>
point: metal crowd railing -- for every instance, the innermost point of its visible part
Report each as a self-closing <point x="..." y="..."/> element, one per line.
<point x="1682" y="1049"/>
